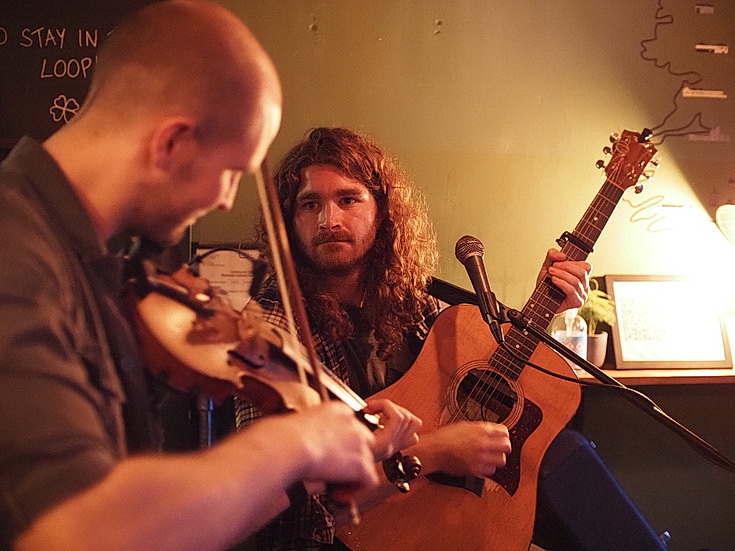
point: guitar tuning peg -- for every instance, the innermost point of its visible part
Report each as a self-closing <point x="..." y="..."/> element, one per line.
<point x="607" y="150"/>
<point x="648" y="174"/>
<point x="638" y="188"/>
<point x="614" y="137"/>
<point x="600" y="164"/>
<point x="655" y="162"/>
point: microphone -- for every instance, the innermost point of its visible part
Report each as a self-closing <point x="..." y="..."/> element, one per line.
<point x="469" y="251"/>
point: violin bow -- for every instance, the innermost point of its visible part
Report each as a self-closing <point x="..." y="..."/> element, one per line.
<point x="288" y="283"/>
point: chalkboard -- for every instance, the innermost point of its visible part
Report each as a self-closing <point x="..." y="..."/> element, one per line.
<point x="47" y="54"/>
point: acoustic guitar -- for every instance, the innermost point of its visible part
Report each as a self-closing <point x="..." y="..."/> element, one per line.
<point x="462" y="374"/>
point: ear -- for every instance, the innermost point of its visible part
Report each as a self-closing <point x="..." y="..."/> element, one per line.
<point x="173" y="142"/>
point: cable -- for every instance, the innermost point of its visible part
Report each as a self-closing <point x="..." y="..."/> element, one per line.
<point x="645" y="403"/>
<point x="668" y="19"/>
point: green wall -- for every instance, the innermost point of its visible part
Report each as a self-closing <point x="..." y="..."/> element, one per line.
<point x="499" y="111"/>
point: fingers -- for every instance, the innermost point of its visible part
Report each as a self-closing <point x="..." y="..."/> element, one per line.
<point x="553" y="255"/>
<point x="469" y="448"/>
<point x="571" y="277"/>
<point x="399" y="428"/>
<point x="497" y="447"/>
<point x="338" y="447"/>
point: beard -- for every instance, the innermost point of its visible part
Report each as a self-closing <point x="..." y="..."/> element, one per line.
<point x="336" y="253"/>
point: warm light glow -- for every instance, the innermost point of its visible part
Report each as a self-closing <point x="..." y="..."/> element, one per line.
<point x="725" y="217"/>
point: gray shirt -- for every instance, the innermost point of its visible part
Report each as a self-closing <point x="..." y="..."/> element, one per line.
<point x="68" y="361"/>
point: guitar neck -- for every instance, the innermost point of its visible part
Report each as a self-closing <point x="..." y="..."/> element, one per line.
<point x="547" y="298"/>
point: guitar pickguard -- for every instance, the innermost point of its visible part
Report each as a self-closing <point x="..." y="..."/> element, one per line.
<point x="509" y="477"/>
<point x="468" y="399"/>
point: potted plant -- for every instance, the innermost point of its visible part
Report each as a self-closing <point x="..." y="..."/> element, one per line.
<point x="599" y="308"/>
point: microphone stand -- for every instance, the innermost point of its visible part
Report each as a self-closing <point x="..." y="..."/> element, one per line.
<point x="518" y="320"/>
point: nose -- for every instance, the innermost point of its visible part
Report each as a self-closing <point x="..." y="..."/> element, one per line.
<point x="330" y="216"/>
<point x="228" y="198"/>
<point x="230" y="184"/>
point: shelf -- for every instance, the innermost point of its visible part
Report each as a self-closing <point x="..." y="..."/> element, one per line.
<point x="643" y="377"/>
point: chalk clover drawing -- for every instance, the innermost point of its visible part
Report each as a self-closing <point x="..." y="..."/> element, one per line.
<point x="64" y="108"/>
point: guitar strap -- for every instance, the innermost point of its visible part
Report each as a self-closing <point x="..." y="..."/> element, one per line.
<point x="450" y="293"/>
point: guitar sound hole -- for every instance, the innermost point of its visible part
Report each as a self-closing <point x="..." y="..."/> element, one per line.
<point x="485" y="396"/>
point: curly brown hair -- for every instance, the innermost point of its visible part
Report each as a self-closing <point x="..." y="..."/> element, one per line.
<point x="404" y="255"/>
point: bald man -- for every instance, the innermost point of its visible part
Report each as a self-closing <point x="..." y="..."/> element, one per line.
<point x="183" y="101"/>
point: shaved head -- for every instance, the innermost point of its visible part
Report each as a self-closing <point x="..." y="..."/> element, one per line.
<point x="184" y="57"/>
<point x="183" y="99"/>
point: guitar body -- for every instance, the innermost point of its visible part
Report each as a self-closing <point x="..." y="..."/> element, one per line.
<point x="494" y="514"/>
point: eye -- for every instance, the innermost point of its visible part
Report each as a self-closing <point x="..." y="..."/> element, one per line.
<point x="349" y="200"/>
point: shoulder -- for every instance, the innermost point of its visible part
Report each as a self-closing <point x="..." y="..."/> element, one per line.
<point x="33" y="260"/>
<point x="430" y="311"/>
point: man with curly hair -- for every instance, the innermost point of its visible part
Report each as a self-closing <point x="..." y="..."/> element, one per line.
<point x="365" y="253"/>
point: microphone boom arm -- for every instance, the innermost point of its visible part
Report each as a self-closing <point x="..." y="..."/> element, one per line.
<point x="643" y="402"/>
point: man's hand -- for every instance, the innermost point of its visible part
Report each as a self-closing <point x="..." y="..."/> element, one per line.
<point x="399" y="430"/>
<point x="475" y="448"/>
<point x="337" y="447"/>
<point x="571" y="277"/>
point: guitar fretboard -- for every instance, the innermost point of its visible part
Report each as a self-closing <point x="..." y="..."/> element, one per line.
<point x="547" y="298"/>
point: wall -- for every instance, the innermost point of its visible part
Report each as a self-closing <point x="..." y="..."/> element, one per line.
<point x="499" y="111"/>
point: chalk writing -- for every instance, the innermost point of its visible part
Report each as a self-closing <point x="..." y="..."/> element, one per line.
<point x="42" y="37"/>
<point x="64" y="108"/>
<point x="48" y="51"/>
<point x="88" y="39"/>
<point x="72" y="68"/>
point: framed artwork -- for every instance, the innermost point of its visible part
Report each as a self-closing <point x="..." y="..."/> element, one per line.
<point x="663" y="322"/>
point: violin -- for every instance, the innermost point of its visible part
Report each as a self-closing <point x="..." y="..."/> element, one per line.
<point x="192" y="338"/>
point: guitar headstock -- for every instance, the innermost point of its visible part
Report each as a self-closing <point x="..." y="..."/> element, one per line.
<point x="631" y="153"/>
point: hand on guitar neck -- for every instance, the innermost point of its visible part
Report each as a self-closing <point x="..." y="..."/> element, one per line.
<point x="571" y="277"/>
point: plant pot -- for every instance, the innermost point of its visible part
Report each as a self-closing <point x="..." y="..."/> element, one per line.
<point x="597" y="349"/>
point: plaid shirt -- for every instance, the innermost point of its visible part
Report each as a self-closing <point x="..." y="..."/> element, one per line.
<point x="311" y="526"/>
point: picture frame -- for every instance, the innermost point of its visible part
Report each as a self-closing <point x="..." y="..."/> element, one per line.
<point x="664" y="323"/>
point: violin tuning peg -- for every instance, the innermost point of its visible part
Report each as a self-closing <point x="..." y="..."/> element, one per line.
<point x="600" y="164"/>
<point x="412" y="466"/>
